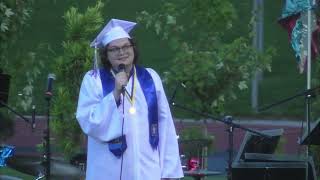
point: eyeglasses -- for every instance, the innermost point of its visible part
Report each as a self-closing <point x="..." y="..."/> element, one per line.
<point x="117" y="50"/>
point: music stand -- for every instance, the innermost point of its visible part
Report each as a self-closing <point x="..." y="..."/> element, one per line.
<point x="4" y="88"/>
<point x="253" y="143"/>
<point x="313" y="137"/>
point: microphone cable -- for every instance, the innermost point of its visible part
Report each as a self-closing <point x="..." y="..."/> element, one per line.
<point x="122" y="134"/>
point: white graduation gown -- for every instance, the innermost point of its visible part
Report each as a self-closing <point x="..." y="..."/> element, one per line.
<point x="101" y="119"/>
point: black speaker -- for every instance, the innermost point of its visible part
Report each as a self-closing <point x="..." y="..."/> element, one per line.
<point x="273" y="171"/>
<point x="4" y="88"/>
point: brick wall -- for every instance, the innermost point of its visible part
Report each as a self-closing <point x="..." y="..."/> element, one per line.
<point x="25" y="140"/>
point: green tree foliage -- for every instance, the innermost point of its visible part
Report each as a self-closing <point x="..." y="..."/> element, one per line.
<point x="27" y="74"/>
<point x="69" y="69"/>
<point x="213" y="65"/>
<point x="14" y="14"/>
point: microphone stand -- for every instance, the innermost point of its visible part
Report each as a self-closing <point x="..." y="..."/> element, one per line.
<point x="307" y="93"/>
<point x="15" y="112"/>
<point x="47" y="156"/>
<point x="228" y="120"/>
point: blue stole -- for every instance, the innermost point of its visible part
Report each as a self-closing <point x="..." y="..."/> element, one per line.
<point x="149" y="90"/>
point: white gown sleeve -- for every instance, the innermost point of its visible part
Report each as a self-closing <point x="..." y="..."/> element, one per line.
<point x="168" y="144"/>
<point x="98" y="116"/>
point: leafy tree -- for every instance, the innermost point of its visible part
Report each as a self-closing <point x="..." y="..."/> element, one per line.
<point x="213" y="65"/>
<point x="70" y="68"/>
<point x="14" y="14"/>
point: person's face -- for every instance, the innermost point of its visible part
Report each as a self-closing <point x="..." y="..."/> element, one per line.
<point x="120" y="51"/>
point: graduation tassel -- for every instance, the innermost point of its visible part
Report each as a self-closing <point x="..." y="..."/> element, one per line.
<point x="95" y="60"/>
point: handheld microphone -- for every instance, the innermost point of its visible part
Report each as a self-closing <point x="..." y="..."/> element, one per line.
<point x="51" y="78"/>
<point x="121" y="68"/>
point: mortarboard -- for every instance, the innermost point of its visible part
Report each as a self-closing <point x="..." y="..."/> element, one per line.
<point x="115" y="29"/>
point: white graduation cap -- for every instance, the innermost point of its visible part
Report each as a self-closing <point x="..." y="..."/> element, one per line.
<point x="115" y="29"/>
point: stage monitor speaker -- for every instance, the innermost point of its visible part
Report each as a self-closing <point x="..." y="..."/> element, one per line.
<point x="253" y="143"/>
<point x="313" y="137"/>
<point x="4" y="88"/>
<point x="273" y="171"/>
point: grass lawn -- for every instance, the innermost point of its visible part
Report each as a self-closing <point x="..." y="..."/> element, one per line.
<point x="209" y="178"/>
<point x="14" y="173"/>
<point x="11" y="172"/>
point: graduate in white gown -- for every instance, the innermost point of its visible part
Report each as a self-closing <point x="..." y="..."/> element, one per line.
<point x="123" y="109"/>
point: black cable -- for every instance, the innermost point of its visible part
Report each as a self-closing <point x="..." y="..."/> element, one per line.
<point x="122" y="133"/>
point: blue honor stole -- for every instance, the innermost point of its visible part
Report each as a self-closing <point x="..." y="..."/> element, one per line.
<point x="149" y="90"/>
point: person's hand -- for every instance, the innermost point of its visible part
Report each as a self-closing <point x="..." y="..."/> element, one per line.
<point x="121" y="80"/>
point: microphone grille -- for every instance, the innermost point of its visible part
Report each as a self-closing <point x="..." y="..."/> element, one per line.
<point x="121" y="67"/>
<point x="52" y="76"/>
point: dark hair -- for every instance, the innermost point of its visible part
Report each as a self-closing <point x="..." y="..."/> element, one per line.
<point x="103" y="53"/>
